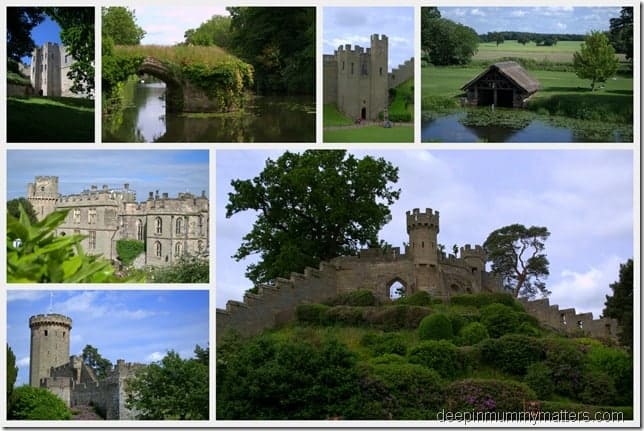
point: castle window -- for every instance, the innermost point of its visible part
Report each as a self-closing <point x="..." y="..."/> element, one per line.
<point x="200" y="245"/>
<point x="352" y="68"/>
<point x="42" y="189"/>
<point x="92" y="240"/>
<point x="397" y="290"/>
<point x="422" y="244"/>
<point x="200" y="225"/>
<point x="179" y="226"/>
<point x="343" y="65"/>
<point x="91" y="216"/>
<point x="580" y="324"/>
<point x="46" y="333"/>
<point x="63" y="334"/>
<point x="158" y="223"/>
<point x="178" y="249"/>
<point x="77" y="215"/>
<point x="139" y="230"/>
<point x="381" y="71"/>
<point x="157" y="249"/>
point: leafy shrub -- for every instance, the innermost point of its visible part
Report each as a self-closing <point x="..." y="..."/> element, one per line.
<point x="35" y="254"/>
<point x="461" y="316"/>
<point x="528" y="329"/>
<point x="421" y="298"/>
<point x="617" y="364"/>
<point x="388" y="358"/>
<point x="441" y="355"/>
<point x="400" y="117"/>
<point x="526" y="318"/>
<point x="29" y="403"/>
<point x="480" y="300"/>
<point x="396" y="316"/>
<point x="488" y="395"/>
<point x="539" y="377"/>
<point x="266" y="378"/>
<point x="356" y="298"/>
<point x="189" y="269"/>
<point x="314" y="314"/>
<point x="386" y="343"/>
<point x="417" y="392"/>
<point x="473" y="333"/>
<point x="435" y="327"/>
<point x="499" y="319"/>
<point x="598" y="388"/>
<point x="128" y="250"/>
<point x="512" y="353"/>
<point x="345" y="315"/>
<point x="565" y="360"/>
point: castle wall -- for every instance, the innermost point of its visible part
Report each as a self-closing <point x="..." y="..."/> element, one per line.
<point x="330" y="85"/>
<point x="402" y="73"/>
<point x="59" y="386"/>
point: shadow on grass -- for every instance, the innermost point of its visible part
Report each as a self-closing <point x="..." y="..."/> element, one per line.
<point x="41" y="119"/>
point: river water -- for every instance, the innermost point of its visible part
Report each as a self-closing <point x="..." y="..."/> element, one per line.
<point x="450" y="129"/>
<point x="265" y="119"/>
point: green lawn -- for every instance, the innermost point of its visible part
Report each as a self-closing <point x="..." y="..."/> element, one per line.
<point x="50" y="119"/>
<point x="561" y="93"/>
<point x="371" y="134"/>
<point x="332" y="117"/>
<point x="17" y="78"/>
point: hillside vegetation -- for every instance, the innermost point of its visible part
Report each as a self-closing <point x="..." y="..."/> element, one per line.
<point x="416" y="358"/>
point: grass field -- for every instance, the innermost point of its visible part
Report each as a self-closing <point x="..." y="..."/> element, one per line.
<point x="50" y="119"/>
<point x="561" y="93"/>
<point x="332" y="117"/>
<point x="16" y="78"/>
<point x="370" y="134"/>
<point x="401" y="103"/>
<point x="561" y="52"/>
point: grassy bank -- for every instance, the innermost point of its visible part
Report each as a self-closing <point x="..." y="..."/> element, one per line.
<point x="371" y="134"/>
<point x="332" y="117"/>
<point x="50" y="119"/>
<point x="402" y="105"/>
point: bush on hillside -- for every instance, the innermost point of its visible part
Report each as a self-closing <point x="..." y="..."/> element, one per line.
<point x="528" y="329"/>
<point x="356" y="298"/>
<point x="483" y="395"/>
<point x="512" y="353"/>
<point x="480" y="300"/>
<point x="598" y="388"/>
<point x="435" y="327"/>
<point x="29" y="403"/>
<point x="473" y="333"/>
<point x="417" y="392"/>
<point x="566" y="361"/>
<point x="442" y="356"/>
<point x="499" y="319"/>
<point x="389" y="342"/>
<point x="421" y="298"/>
<point x="397" y="316"/>
<point x="314" y="314"/>
<point x="617" y="364"/>
<point x="539" y="377"/>
<point x="345" y="315"/>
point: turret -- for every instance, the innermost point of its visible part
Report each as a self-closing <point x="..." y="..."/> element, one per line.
<point x="474" y="258"/>
<point x="423" y="231"/>
<point x="50" y="335"/>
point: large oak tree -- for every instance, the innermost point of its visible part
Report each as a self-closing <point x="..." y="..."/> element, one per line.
<point x="312" y="206"/>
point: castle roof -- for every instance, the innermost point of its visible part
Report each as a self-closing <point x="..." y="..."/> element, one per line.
<point x="513" y="72"/>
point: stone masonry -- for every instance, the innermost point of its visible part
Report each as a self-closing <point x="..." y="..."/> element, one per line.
<point x="52" y="367"/>
<point x="50" y="64"/>
<point x="422" y="267"/>
<point x="357" y="82"/>
<point x="169" y="227"/>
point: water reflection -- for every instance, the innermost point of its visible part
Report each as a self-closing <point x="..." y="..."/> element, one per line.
<point x="264" y="119"/>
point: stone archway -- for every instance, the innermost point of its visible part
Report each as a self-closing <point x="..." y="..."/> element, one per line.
<point x="174" y="89"/>
<point x="397" y="288"/>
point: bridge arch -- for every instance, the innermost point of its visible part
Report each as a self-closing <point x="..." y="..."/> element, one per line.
<point x="174" y="87"/>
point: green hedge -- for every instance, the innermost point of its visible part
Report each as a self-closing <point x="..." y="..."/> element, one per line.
<point x="442" y="356"/>
<point x="435" y="327"/>
<point x="29" y="403"/>
<point x="356" y="298"/>
<point x="480" y="300"/>
<point x="128" y="249"/>
<point x="512" y="353"/>
<point x="473" y="333"/>
<point x="488" y="395"/>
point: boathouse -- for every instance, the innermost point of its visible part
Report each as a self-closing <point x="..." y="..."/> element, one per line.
<point x="504" y="84"/>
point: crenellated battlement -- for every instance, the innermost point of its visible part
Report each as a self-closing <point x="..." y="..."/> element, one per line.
<point x="50" y="319"/>
<point x="417" y="219"/>
<point x="376" y="37"/>
<point x="473" y="251"/>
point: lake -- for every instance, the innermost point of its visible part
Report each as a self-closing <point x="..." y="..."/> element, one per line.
<point x="264" y="119"/>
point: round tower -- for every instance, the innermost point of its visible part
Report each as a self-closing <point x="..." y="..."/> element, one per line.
<point x="423" y="232"/>
<point x="474" y="258"/>
<point x="50" y="334"/>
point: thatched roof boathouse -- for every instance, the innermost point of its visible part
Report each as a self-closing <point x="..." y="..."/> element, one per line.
<point x="504" y="84"/>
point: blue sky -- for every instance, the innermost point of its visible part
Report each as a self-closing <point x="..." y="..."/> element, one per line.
<point x="355" y="25"/>
<point x="46" y="31"/>
<point x="561" y="20"/>
<point x="137" y="326"/>
<point x="145" y="170"/>
<point x="166" y="25"/>
<point x="584" y="198"/>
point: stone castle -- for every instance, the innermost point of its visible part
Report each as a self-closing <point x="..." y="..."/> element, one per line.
<point x="422" y="267"/>
<point x="357" y="82"/>
<point x="51" y="367"/>
<point x="48" y="71"/>
<point x="169" y="227"/>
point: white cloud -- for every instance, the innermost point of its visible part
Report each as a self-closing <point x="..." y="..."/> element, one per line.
<point x="518" y="13"/>
<point x="155" y="356"/>
<point x="26" y="295"/>
<point x="477" y="12"/>
<point x="23" y="362"/>
<point x="561" y="25"/>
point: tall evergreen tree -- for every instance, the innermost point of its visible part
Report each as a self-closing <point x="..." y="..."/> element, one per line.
<point x="620" y="304"/>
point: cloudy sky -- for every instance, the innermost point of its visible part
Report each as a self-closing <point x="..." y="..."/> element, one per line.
<point x="562" y="20"/>
<point x="137" y="326"/>
<point x="145" y="171"/>
<point x="355" y="25"/>
<point x="584" y="198"/>
<point x="166" y="25"/>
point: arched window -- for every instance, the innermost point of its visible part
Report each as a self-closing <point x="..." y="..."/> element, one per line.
<point x="179" y="226"/>
<point x="157" y="249"/>
<point x="178" y="249"/>
<point x="397" y="290"/>
<point x="139" y="230"/>
<point x="158" y="225"/>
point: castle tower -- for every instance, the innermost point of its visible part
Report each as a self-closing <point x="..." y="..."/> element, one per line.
<point x="474" y="258"/>
<point x="423" y="232"/>
<point x="50" y="334"/>
<point x="43" y="195"/>
<point x="379" y="82"/>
